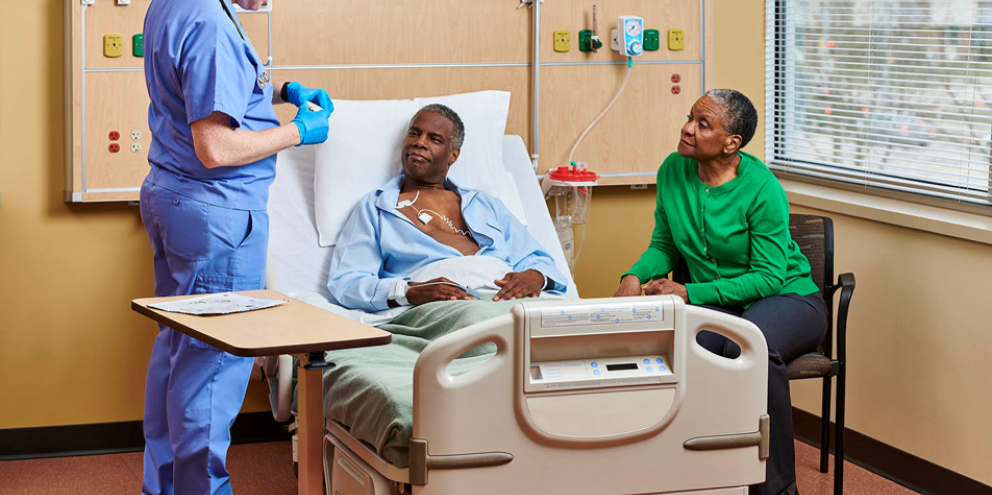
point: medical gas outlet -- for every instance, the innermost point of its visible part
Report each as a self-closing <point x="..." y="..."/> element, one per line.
<point x="628" y="38"/>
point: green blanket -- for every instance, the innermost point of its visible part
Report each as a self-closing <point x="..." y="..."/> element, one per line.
<point x="370" y="390"/>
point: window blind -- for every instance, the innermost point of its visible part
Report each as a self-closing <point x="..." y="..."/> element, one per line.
<point x="893" y="94"/>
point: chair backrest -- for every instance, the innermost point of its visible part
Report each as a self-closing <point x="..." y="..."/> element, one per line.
<point x="815" y="237"/>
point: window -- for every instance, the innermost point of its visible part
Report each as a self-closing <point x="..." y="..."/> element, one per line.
<point x="892" y="94"/>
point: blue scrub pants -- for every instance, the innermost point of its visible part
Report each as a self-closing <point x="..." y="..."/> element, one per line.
<point x="194" y="391"/>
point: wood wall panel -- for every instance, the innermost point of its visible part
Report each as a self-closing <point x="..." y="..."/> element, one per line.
<point x="385" y="84"/>
<point x="105" y="17"/>
<point x="400" y="32"/>
<point x="123" y="112"/>
<point x="576" y="15"/>
<point x="635" y="136"/>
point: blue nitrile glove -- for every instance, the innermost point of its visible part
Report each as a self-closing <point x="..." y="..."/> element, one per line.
<point x="312" y="125"/>
<point x="298" y="95"/>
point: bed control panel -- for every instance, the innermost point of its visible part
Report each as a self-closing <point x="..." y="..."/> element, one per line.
<point x="599" y="344"/>
<point x="611" y="369"/>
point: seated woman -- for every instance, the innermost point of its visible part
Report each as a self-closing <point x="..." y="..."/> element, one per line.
<point x="723" y="212"/>
<point x="421" y="218"/>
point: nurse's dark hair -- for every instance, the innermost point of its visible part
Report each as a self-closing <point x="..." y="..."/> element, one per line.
<point x="458" y="136"/>
<point x="740" y="117"/>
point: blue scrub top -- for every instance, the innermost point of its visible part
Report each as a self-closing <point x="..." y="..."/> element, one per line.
<point x="199" y="61"/>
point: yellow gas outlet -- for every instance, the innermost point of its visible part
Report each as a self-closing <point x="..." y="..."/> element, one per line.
<point x="113" y="45"/>
<point x="563" y="41"/>
<point x="676" y="39"/>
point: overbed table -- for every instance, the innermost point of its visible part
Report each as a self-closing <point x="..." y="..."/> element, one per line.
<point x="295" y="328"/>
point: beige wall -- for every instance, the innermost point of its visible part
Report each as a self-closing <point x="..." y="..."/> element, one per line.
<point x="920" y="338"/>
<point x="920" y="329"/>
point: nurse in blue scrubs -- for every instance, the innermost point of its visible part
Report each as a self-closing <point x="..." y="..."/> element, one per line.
<point x="214" y="137"/>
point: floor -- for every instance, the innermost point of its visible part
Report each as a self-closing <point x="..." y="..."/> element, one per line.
<point x="266" y="468"/>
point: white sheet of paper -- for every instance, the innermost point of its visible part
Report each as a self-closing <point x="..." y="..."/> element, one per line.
<point x="218" y="304"/>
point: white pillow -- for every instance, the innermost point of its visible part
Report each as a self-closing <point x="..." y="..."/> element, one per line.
<point x="362" y="153"/>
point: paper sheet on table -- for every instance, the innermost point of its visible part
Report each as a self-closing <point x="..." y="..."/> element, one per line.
<point x="218" y="304"/>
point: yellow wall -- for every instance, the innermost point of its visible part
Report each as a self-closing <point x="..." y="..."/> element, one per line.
<point x="920" y="337"/>
<point x="70" y="347"/>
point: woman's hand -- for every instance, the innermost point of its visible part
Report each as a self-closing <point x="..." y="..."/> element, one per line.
<point x="518" y="285"/>
<point x="662" y="287"/>
<point x="630" y="286"/>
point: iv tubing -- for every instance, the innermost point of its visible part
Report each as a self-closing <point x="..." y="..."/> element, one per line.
<point x="630" y="64"/>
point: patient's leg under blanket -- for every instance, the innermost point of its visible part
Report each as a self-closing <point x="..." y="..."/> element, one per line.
<point x="370" y="390"/>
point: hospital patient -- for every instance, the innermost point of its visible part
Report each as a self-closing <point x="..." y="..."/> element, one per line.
<point x="420" y="225"/>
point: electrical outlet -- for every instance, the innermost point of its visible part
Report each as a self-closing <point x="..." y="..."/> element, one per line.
<point x="676" y="39"/>
<point x="563" y="41"/>
<point x="114" y="135"/>
<point x="652" y="40"/>
<point x="114" y="147"/>
<point x="676" y="90"/>
<point x="139" y="45"/>
<point x="135" y="135"/>
<point x="135" y="147"/>
<point x="113" y="45"/>
<point x="676" y="78"/>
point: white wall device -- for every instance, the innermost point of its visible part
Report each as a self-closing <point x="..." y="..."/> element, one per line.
<point x="628" y="37"/>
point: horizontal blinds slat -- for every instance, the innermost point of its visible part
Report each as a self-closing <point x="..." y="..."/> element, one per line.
<point x="876" y="66"/>
<point x="954" y="168"/>
<point x="907" y="135"/>
<point x="777" y="70"/>
<point x="877" y="89"/>
<point x="976" y="200"/>
<point x="885" y="53"/>
<point x="839" y="38"/>
<point x="939" y="77"/>
<point x="975" y="113"/>
<point x="875" y="178"/>
<point x="915" y="30"/>
<point x="805" y="150"/>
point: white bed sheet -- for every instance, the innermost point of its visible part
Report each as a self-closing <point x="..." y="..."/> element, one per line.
<point x="298" y="266"/>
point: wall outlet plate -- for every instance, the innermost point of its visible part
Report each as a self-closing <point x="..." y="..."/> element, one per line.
<point x="135" y="135"/>
<point x="676" y="39"/>
<point x="113" y="45"/>
<point x="652" y="40"/>
<point x="563" y="41"/>
<point x="138" y="43"/>
<point x="135" y="147"/>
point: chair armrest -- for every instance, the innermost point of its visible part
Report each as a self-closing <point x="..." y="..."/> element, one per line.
<point x="846" y="283"/>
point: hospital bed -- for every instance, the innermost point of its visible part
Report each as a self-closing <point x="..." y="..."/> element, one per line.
<point x="609" y="396"/>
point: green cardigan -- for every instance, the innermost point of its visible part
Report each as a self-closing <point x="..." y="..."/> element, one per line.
<point x="734" y="237"/>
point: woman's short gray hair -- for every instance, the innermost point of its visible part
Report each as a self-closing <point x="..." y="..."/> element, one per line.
<point x="458" y="136"/>
<point x="740" y="116"/>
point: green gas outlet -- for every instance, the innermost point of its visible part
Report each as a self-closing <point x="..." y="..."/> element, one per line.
<point x="652" y="40"/>
<point x="586" y="41"/>
<point x="139" y="45"/>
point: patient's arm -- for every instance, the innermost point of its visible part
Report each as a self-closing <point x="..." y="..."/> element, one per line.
<point x="353" y="279"/>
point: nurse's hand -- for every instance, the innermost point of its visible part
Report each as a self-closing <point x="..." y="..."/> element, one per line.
<point x="437" y="289"/>
<point x="630" y="286"/>
<point x="663" y="287"/>
<point x="312" y="125"/>
<point x="518" y="285"/>
<point x="299" y="95"/>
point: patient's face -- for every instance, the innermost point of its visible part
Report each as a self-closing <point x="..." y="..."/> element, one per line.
<point x="427" y="152"/>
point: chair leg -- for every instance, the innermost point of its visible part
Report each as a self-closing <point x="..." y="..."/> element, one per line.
<point x="839" y="449"/>
<point x="825" y="426"/>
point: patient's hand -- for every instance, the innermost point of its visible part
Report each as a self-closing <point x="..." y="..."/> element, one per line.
<point x="435" y="290"/>
<point x="518" y="285"/>
<point x="630" y="286"/>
